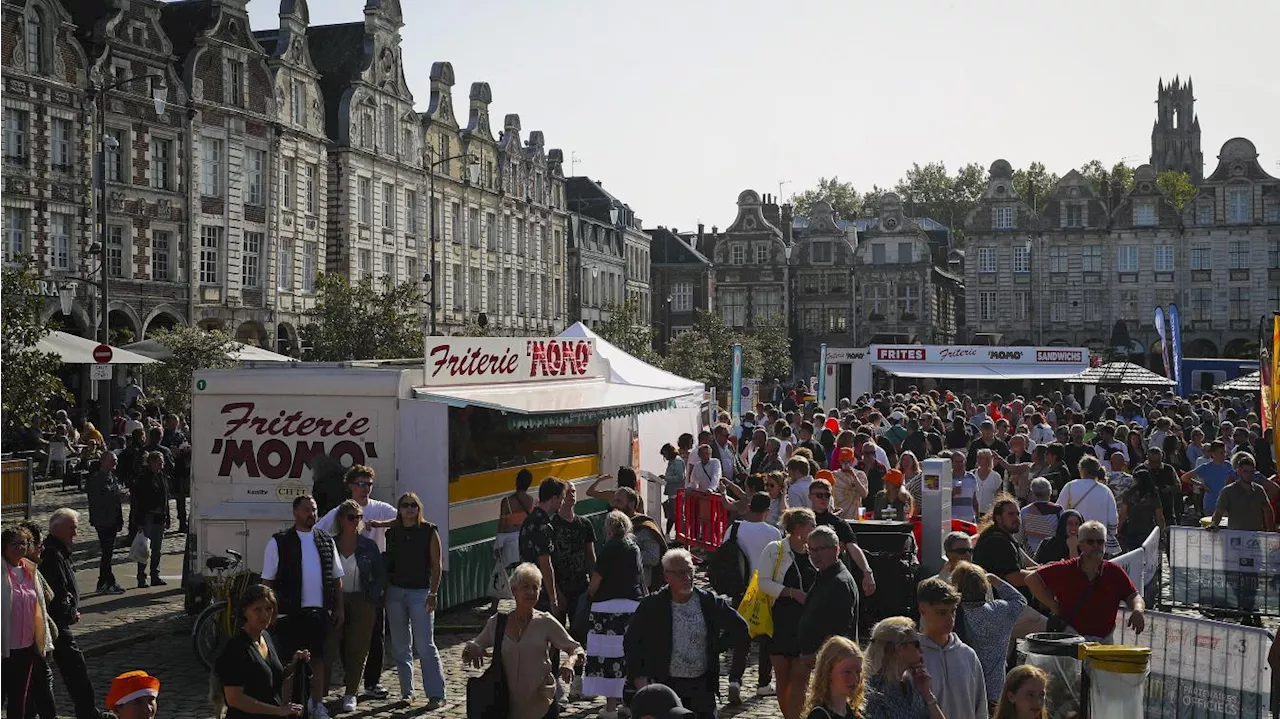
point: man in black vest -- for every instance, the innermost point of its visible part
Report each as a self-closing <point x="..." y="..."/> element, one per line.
<point x="301" y="564"/>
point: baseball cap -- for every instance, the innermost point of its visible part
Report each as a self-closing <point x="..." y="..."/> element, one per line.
<point x="658" y="701"/>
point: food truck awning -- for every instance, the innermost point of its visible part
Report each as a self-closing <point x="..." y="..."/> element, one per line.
<point x="543" y="404"/>
<point x="978" y="371"/>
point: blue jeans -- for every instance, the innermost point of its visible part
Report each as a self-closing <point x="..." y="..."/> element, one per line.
<point x="406" y="613"/>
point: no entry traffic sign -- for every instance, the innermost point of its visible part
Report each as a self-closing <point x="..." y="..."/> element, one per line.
<point x="102" y="354"/>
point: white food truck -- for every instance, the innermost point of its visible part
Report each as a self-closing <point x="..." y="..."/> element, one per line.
<point x="454" y="429"/>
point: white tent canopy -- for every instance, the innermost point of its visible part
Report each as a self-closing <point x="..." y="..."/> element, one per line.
<point x="78" y="350"/>
<point x="237" y="351"/>
<point x="629" y="370"/>
<point x="1122" y="373"/>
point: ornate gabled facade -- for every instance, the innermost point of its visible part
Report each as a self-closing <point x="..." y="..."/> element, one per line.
<point x="750" y="262"/>
<point x="903" y="294"/>
<point x="683" y="282"/>
<point x="822" y="285"/>
<point x="296" y="246"/>
<point x="231" y="177"/>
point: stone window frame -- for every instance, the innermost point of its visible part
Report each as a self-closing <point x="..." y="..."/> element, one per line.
<point x="39" y="55"/>
<point x="986" y="263"/>
<point x="1169" y="253"/>
<point x="252" y="152"/>
<point x="251" y="264"/>
<point x="1144" y="212"/>
<point x="171" y="163"/>
<point x="58" y="115"/>
<point x="1238" y="190"/>
<point x="71" y="215"/>
<point x="174" y="265"/>
<point x="1127" y="259"/>
<point x="988" y="302"/>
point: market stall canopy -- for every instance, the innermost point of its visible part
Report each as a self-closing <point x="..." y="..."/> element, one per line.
<point x="979" y="362"/>
<point x="1251" y="382"/>
<point x="1122" y="373"/>
<point x="78" y="350"/>
<point x="239" y="351"/>
<point x="628" y="369"/>
<point x="552" y="403"/>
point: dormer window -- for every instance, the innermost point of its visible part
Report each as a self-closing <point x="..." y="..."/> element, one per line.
<point x="762" y="254"/>
<point x="1144" y="213"/>
<point x="821" y="252"/>
<point x="1238" y="204"/>
<point x="298" y="103"/>
<point x="1002" y="218"/>
<point x="1073" y="214"/>
<point x="738" y="255"/>
<point x="235" y="83"/>
<point x="37" y="51"/>
<point x="1204" y="213"/>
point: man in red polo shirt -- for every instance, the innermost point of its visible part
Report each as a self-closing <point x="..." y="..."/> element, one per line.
<point x="1084" y="592"/>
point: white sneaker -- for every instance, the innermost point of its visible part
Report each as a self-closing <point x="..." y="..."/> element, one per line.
<point x="735" y="693"/>
<point x="348" y="703"/>
<point x="766" y="691"/>
<point x="318" y="711"/>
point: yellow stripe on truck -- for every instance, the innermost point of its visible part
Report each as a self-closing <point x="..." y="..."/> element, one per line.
<point x="503" y="481"/>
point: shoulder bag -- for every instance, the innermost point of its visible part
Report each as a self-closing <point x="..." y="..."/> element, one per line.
<point x="487" y="695"/>
<point x="1063" y="623"/>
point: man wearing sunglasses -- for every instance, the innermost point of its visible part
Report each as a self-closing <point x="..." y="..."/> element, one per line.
<point x="1083" y="593"/>
<point x="956" y="548"/>
<point x="360" y="481"/>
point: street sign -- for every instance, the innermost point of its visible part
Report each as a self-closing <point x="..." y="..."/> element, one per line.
<point x="99" y="372"/>
<point x="102" y="354"/>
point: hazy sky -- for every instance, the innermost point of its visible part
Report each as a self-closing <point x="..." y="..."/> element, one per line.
<point x="677" y="106"/>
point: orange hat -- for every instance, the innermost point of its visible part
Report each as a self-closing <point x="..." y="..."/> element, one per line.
<point x="846" y="454"/>
<point x="893" y="476"/>
<point x="132" y="685"/>
<point x="825" y="474"/>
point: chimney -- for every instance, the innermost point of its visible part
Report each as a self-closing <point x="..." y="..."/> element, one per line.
<point x="1117" y="193"/>
<point x="787" y="222"/>
<point x="770" y="210"/>
<point x="701" y="233"/>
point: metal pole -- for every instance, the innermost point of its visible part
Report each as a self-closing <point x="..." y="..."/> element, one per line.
<point x="104" y="393"/>
<point x="431" y="171"/>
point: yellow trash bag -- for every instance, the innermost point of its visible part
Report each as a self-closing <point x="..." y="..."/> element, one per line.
<point x="756" y="606"/>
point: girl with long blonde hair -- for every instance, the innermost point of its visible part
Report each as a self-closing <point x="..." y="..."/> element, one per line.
<point x="1023" y="695"/>
<point x="835" y="687"/>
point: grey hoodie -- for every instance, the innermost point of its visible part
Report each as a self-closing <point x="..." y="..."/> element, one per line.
<point x="957" y="678"/>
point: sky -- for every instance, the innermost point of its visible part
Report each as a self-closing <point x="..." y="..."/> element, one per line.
<point x="676" y="106"/>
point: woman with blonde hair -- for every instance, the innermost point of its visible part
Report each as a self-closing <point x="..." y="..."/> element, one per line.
<point x="898" y="686"/>
<point x="364" y="579"/>
<point x="787" y="575"/>
<point x="615" y="591"/>
<point x="912" y="479"/>
<point x="1023" y="694"/>
<point x="835" y="688"/>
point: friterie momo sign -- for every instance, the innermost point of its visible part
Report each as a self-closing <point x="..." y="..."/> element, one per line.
<point x="501" y="360"/>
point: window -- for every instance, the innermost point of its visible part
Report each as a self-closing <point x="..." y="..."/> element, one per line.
<point x="473" y="289"/>
<point x="435" y="218"/>
<point x="559" y="247"/>
<point x="310" y="266"/>
<point x="37" y="53"/>
<point x="521" y="299"/>
<point x="473" y="228"/>
<point x="446" y="157"/>
<point x="987" y="300"/>
<point x="118" y="156"/>
<point x="1239" y="255"/>
<point x="1092" y="310"/>
<point x="457" y="288"/>
<point x="365" y="200"/>
<point x="1238" y="204"/>
<point x="389" y="129"/>
<point x="986" y="259"/>
<point x="905" y="253"/>
<point x="491" y="291"/>
<point x="1091" y="258"/>
<point x="210" y="250"/>
<point x="878" y="254"/>
<point x="1275" y="298"/>
<point x="1144" y="213"/>
<point x="1002" y="218"/>
<point x="557" y="298"/>
<point x="406" y="146"/>
<point x="290" y="189"/>
<point x="766" y="303"/>
<point x="389" y="267"/>
<point x="681" y="296"/>
<point x="491" y="232"/>
<point x="411" y="212"/>
<point x="1273" y="255"/>
<point x="1074" y="216"/>
<point x="1201" y="257"/>
<point x="284" y="277"/>
<point x="15" y="137"/>
<point x="115" y="251"/>
<point x="15" y="233"/>
<point x="1129" y="305"/>
<point x="738" y="255"/>
<point x="733" y="307"/>
<point x="1021" y="305"/>
<point x="1021" y="258"/>
<point x="1204" y="214"/>
<point x="812" y="320"/>
<point x="60" y="153"/>
<point x="1201" y="304"/>
<point x="366" y="128"/>
<point x="1127" y="258"/>
<point x="298" y="104"/>
<point x="837" y="320"/>
<point x="256" y="162"/>
<point x="1058" y="311"/>
<point x="1238" y="302"/>
<point x="1059" y="261"/>
<point x="455" y="225"/>
<point x="235" y="83"/>
<point x="1273" y="212"/>
<point x="311" y="188"/>
<point x="388" y="205"/>
<point x="908" y="299"/>
<point x="60" y="252"/>
<point x="249" y="260"/>
<point x="211" y="157"/>
<point x="364" y="263"/>
<point x="160" y="253"/>
<point x="411" y="270"/>
<point x="875" y="299"/>
<point x="821" y="252"/>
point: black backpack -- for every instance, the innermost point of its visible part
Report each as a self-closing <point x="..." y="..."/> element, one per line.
<point x="727" y="567"/>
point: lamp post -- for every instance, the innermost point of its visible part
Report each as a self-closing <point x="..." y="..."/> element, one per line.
<point x="473" y="176"/>
<point x="159" y="97"/>
<point x="666" y="344"/>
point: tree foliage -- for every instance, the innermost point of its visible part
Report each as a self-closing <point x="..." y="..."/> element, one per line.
<point x="356" y="321"/>
<point x="1101" y="177"/>
<point x="704" y="352"/>
<point x="930" y="191"/>
<point x="1177" y="186"/>
<point x="31" y="381"/>
<point x="1035" y="180"/>
<point x="627" y="330"/>
<point x="844" y="199"/>
<point x="169" y="382"/>
<point x="769" y="340"/>
<point x="473" y="329"/>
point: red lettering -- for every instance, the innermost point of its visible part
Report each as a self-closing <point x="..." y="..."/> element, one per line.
<point x="241" y="414"/>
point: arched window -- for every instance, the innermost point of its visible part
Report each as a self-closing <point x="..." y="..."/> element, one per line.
<point x="37" y="54"/>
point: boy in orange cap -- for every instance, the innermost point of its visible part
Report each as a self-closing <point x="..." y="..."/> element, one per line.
<point x="893" y="496"/>
<point x="133" y="695"/>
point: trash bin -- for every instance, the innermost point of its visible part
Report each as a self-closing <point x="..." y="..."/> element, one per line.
<point x="1115" y="679"/>
<point x="1058" y="655"/>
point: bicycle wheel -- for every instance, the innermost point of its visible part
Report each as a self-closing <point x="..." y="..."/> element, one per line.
<point x="207" y="634"/>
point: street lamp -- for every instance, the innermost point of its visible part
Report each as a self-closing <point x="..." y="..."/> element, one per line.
<point x="66" y="297"/>
<point x="473" y="177"/>
<point x="666" y="345"/>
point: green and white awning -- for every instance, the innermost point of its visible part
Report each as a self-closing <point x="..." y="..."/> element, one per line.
<point x="546" y="404"/>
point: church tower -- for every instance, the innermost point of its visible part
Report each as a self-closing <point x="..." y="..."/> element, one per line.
<point x="1175" y="137"/>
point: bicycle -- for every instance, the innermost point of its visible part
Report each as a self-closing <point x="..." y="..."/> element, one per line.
<point x="215" y="625"/>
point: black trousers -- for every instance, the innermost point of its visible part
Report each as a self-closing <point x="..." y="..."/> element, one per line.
<point x="373" y="665"/>
<point x="738" y="665"/>
<point x="107" y="546"/>
<point x="66" y="653"/>
<point x="695" y="695"/>
<point x="28" y="685"/>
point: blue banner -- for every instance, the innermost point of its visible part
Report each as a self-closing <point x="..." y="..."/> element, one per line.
<point x="1164" y="339"/>
<point x="822" y="373"/>
<point x="1175" y="330"/>
<point x="735" y="392"/>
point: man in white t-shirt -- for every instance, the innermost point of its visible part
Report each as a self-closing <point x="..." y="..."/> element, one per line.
<point x="360" y="482"/>
<point x="988" y="482"/>
<point x="798" y="484"/>
<point x="704" y="471"/>
<point x="302" y="565"/>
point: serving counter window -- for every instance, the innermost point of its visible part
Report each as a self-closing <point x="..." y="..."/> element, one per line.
<point x="483" y="442"/>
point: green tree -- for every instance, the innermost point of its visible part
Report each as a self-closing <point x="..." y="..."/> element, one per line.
<point x="356" y="321"/>
<point x="1101" y="178"/>
<point x="842" y="196"/>
<point x="169" y="382"/>
<point x="871" y="200"/>
<point x="930" y="191"/>
<point x="31" y="381"/>
<point x="1177" y="186"/>
<point x="770" y="349"/>
<point x="473" y="329"/>
<point x="627" y="330"/>
<point x="702" y="352"/>
<point x="1034" y="177"/>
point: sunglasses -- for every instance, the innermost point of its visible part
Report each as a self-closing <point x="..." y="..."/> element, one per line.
<point x="362" y="484"/>
<point x="686" y="574"/>
<point x="821" y="495"/>
<point x="821" y="549"/>
<point x="408" y="505"/>
<point x="354" y="517"/>
<point x="961" y="550"/>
